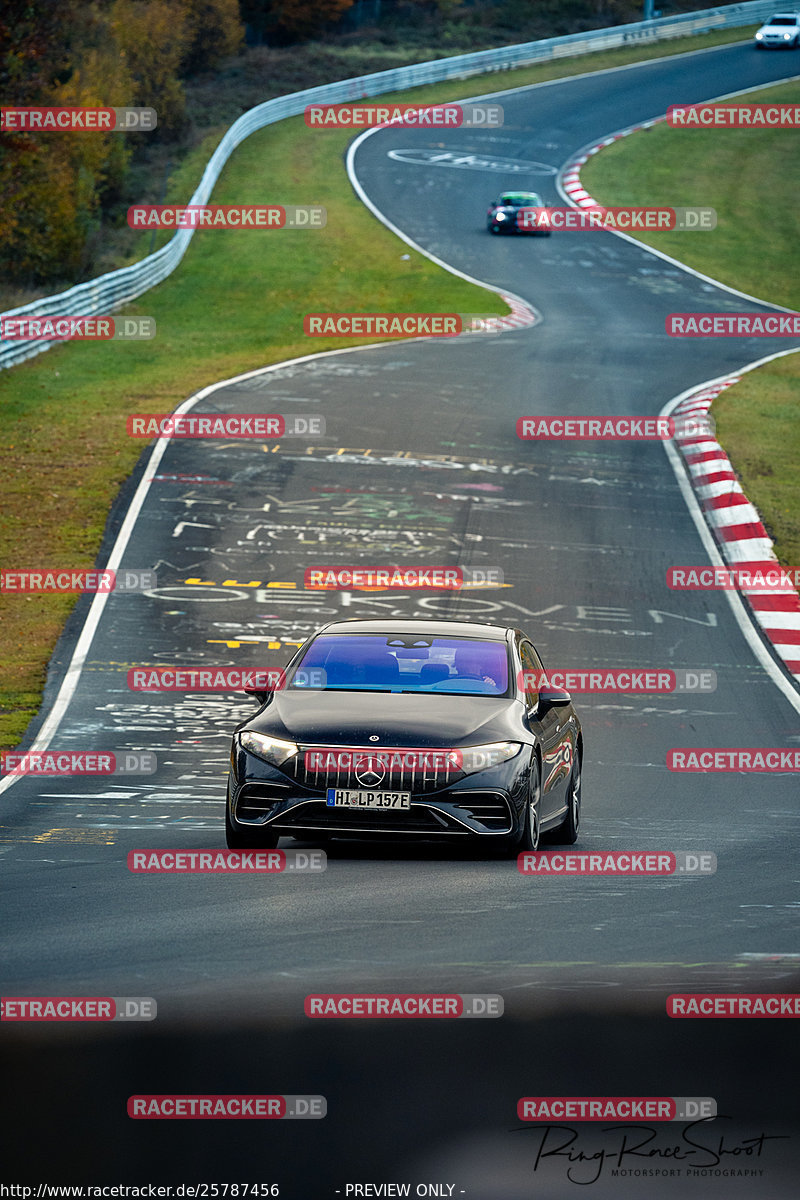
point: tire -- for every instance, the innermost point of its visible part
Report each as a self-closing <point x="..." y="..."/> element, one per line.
<point x="250" y="838"/>
<point x="530" y="835"/>
<point x="567" y="832"/>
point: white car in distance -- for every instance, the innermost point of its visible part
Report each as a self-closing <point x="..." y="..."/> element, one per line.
<point x="782" y="30"/>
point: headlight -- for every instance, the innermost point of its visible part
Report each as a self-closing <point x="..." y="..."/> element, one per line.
<point x="787" y="37"/>
<point x="759" y="36"/>
<point x="478" y="758"/>
<point x="273" y="750"/>
<point x="500" y="217"/>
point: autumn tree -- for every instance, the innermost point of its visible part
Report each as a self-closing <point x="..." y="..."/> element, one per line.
<point x="293" y="20"/>
<point x="53" y="182"/>
<point x="153" y="37"/>
<point x="214" y="33"/>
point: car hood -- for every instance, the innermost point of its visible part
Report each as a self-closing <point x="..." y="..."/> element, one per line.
<point x="348" y="718"/>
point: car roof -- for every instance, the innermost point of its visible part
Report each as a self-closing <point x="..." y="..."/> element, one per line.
<point x="437" y="627"/>
<point x="510" y="193"/>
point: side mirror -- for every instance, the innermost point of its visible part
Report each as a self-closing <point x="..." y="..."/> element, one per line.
<point x="553" y="697"/>
<point x="263" y="684"/>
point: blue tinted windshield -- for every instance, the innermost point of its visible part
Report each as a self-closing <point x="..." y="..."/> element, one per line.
<point x="521" y="200"/>
<point x="403" y="662"/>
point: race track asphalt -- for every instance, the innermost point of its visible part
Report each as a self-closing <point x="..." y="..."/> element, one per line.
<point x="420" y="463"/>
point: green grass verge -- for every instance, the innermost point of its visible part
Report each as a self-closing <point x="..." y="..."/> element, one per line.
<point x="749" y="178"/>
<point x="757" y="424"/>
<point x="235" y="303"/>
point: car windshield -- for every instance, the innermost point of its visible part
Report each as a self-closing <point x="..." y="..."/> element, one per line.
<point x="403" y="663"/>
<point x="518" y="200"/>
<point x="783" y="21"/>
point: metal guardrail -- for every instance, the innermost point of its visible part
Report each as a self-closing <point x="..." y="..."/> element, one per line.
<point x="108" y="292"/>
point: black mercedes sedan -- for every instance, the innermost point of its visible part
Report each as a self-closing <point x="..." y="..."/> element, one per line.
<point x="408" y="729"/>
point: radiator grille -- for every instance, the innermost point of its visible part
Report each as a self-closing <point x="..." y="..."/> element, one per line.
<point x="396" y="769"/>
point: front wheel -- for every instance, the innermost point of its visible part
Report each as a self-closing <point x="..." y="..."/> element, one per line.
<point x="252" y="837"/>
<point x="568" y="830"/>
<point x="529" y="837"/>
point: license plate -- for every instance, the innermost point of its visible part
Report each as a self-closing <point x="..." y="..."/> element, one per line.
<point x="348" y="798"/>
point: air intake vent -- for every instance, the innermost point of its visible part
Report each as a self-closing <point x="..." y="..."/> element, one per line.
<point x="490" y="809"/>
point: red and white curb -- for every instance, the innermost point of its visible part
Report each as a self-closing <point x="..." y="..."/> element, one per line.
<point x="737" y="526"/>
<point x="571" y="175"/>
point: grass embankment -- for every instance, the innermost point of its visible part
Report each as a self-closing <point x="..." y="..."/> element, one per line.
<point x="749" y="178"/>
<point x="235" y="303"/>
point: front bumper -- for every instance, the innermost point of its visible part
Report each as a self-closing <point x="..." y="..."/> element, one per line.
<point x="486" y="803"/>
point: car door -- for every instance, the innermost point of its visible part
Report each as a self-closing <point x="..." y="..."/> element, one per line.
<point x="555" y="730"/>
